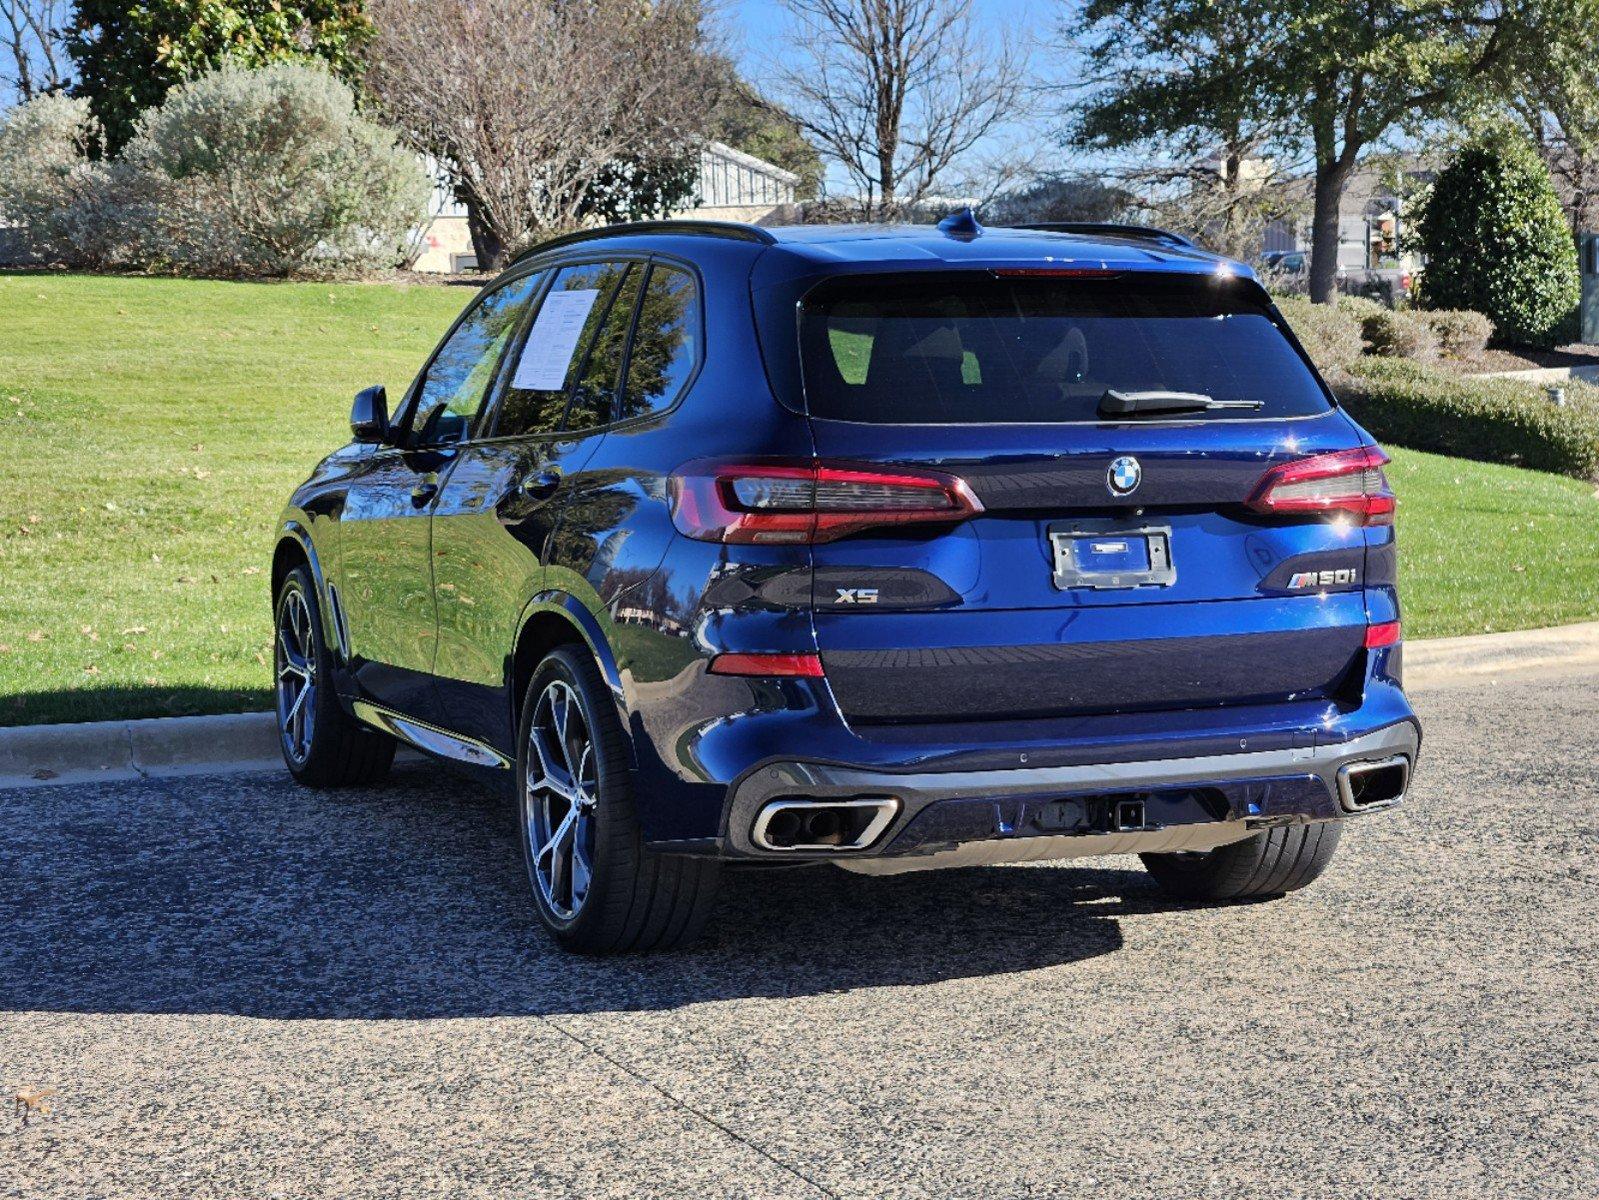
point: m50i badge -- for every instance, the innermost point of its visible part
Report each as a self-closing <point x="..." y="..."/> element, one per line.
<point x="1310" y="579"/>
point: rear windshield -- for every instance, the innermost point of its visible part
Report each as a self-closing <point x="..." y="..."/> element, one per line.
<point x="1010" y="350"/>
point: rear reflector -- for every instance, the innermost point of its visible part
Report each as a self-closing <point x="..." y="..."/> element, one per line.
<point x="1348" y="482"/>
<point x="806" y="501"/>
<point x="1385" y="634"/>
<point x="800" y="666"/>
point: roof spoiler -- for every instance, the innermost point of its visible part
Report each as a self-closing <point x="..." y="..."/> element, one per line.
<point x="1137" y="233"/>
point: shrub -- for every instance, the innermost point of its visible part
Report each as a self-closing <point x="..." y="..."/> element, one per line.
<point x="1491" y="420"/>
<point x="67" y="206"/>
<point x="1331" y="336"/>
<point x="1391" y="334"/>
<point x="1461" y="333"/>
<point x="1497" y="243"/>
<point x="271" y="172"/>
<point x="1359" y="307"/>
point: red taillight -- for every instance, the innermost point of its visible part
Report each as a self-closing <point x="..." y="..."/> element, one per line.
<point x="809" y="501"/>
<point x="1384" y="634"/>
<point x="1348" y="481"/>
<point x="793" y="666"/>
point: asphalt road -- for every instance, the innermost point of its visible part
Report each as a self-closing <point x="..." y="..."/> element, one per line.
<point x="237" y="988"/>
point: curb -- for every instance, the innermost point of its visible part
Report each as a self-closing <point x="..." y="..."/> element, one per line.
<point x="1479" y="658"/>
<point x="164" y="747"/>
<point x="98" y="751"/>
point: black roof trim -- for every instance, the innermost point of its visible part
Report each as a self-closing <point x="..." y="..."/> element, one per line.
<point x="1139" y="233"/>
<point x="724" y="229"/>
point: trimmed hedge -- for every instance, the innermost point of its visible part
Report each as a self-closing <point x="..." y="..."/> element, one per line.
<point x="1461" y="332"/>
<point x="1330" y="335"/>
<point x="1391" y="334"/>
<point x="1490" y="420"/>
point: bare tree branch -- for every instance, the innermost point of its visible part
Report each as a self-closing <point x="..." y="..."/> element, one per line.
<point x="898" y="93"/>
<point x="529" y="103"/>
<point x="32" y="61"/>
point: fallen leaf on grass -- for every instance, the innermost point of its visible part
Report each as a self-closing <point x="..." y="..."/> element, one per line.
<point x="34" y="1100"/>
<point x="133" y="629"/>
<point x="37" y="635"/>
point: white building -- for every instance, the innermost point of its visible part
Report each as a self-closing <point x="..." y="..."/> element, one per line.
<point x="733" y="186"/>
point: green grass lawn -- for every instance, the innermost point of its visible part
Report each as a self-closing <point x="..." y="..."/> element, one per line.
<point x="1485" y="548"/>
<point x="152" y="429"/>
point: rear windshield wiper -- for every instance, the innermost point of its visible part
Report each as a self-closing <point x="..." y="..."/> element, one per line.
<point x="1120" y="404"/>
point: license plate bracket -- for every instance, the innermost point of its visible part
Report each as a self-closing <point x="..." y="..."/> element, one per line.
<point x="1105" y="555"/>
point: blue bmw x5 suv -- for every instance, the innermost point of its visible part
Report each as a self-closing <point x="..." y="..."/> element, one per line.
<point x="885" y="547"/>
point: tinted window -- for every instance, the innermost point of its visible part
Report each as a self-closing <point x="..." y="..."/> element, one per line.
<point x="460" y="374"/>
<point x="595" y="394"/>
<point x="665" y="342"/>
<point x="556" y="348"/>
<point x="1042" y="350"/>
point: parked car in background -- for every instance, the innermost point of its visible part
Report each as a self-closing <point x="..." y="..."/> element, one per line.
<point x="888" y="548"/>
<point x="1289" y="271"/>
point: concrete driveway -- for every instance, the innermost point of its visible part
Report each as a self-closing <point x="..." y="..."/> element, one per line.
<point x="241" y="989"/>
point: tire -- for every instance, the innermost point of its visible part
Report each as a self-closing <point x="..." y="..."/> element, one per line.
<point x="597" y="888"/>
<point x="323" y="746"/>
<point x="1270" y="863"/>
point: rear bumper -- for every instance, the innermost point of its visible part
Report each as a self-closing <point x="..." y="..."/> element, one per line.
<point x="948" y="818"/>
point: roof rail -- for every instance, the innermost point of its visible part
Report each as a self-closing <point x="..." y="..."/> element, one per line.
<point x="736" y="230"/>
<point x="1140" y="233"/>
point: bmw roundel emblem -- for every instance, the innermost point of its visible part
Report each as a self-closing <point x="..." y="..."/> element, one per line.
<point x="1123" y="475"/>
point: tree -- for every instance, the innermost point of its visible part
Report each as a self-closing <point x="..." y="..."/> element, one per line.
<point x="576" y="102"/>
<point x="130" y="53"/>
<point x="1063" y="198"/>
<point x="1557" y="100"/>
<point x="747" y="121"/>
<point x="1185" y="77"/>
<point x="898" y="93"/>
<point x="34" y="61"/>
<point x="1497" y="243"/>
<point x="1333" y="78"/>
<point x="1352" y="73"/>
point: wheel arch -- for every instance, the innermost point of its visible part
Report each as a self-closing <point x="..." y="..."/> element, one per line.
<point x="295" y="548"/>
<point x="554" y="619"/>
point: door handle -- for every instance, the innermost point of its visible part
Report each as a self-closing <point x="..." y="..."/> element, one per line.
<point x="424" y="491"/>
<point x="541" y="486"/>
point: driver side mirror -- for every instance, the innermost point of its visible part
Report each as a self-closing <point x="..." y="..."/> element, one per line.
<point x="369" y="415"/>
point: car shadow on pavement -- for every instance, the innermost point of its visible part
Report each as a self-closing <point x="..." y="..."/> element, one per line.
<point x="251" y="896"/>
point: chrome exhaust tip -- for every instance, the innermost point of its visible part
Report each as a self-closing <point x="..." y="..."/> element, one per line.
<point x="834" y="826"/>
<point x="1369" y="786"/>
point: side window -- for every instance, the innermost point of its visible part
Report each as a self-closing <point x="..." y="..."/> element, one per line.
<point x="459" y="376"/>
<point x="601" y="376"/>
<point x="556" y="348"/>
<point x="665" y="342"/>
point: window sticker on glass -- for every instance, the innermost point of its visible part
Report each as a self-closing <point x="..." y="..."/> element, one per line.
<point x="547" y="356"/>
